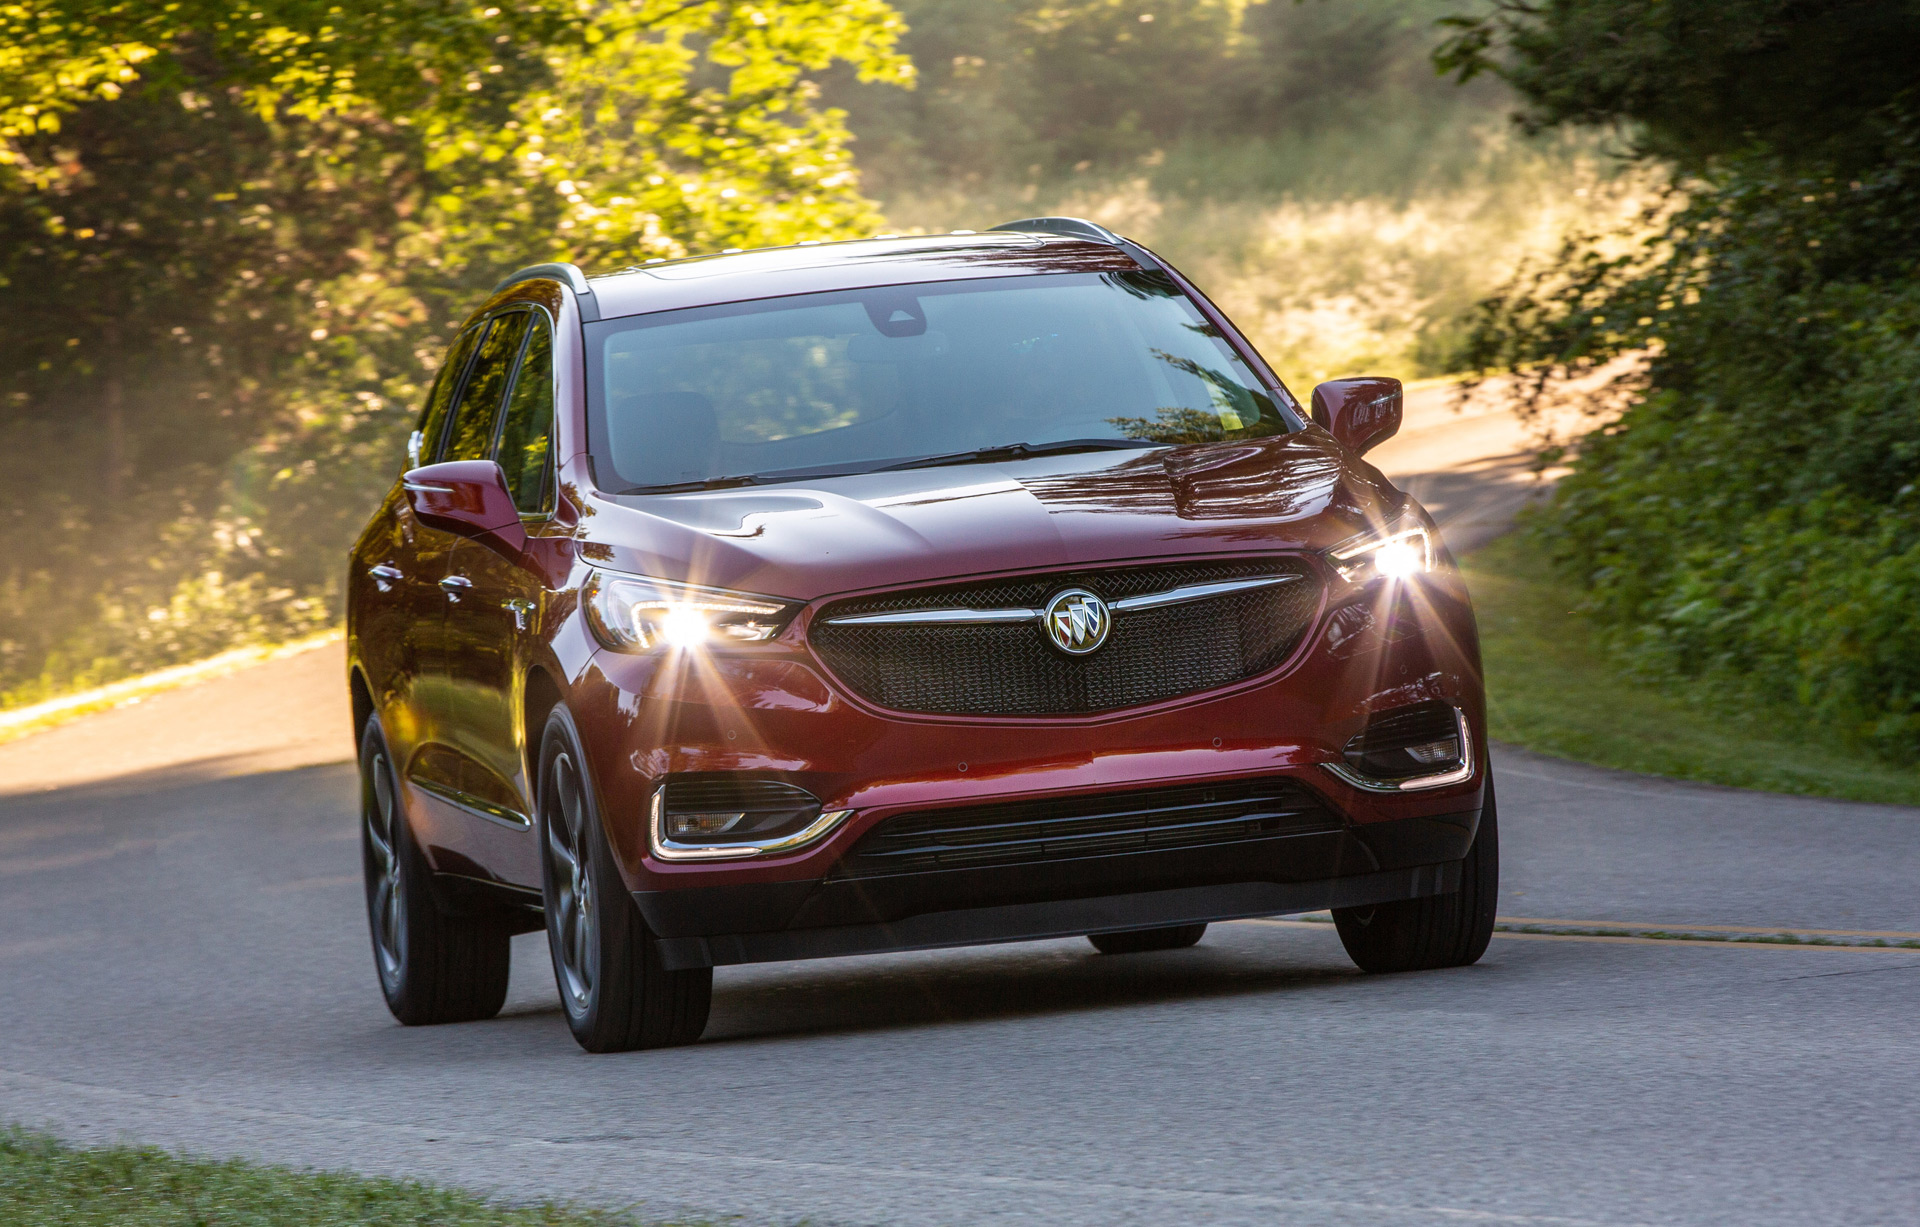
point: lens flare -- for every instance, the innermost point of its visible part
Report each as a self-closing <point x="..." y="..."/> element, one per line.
<point x="1399" y="559"/>
<point x="684" y="627"/>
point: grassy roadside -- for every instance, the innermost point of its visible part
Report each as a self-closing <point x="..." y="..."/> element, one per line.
<point x="46" y="1184"/>
<point x="19" y="722"/>
<point x="1550" y="688"/>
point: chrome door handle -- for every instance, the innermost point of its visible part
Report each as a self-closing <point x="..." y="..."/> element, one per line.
<point x="454" y="585"/>
<point x="384" y="576"/>
<point x="522" y="610"/>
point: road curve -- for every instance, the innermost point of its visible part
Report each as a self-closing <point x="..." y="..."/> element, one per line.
<point x="183" y="961"/>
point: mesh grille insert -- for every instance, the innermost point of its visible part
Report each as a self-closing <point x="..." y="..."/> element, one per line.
<point x="1184" y="816"/>
<point x="1011" y="670"/>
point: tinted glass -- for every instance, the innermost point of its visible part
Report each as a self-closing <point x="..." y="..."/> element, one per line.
<point x="526" y="437"/>
<point x="858" y="379"/>
<point x="471" y="437"/>
<point x="433" y="422"/>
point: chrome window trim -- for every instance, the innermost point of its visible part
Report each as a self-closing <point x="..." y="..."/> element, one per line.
<point x="975" y="617"/>
<point x="552" y="508"/>
<point x="1419" y="783"/>
<point x="673" y="850"/>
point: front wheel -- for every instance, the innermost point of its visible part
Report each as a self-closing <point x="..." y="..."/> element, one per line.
<point x="617" y="995"/>
<point x="1439" y="931"/>
<point x="434" y="967"/>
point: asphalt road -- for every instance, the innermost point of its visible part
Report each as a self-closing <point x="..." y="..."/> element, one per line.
<point x="183" y="961"/>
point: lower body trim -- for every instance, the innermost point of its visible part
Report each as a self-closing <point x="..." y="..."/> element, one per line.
<point x="1063" y="918"/>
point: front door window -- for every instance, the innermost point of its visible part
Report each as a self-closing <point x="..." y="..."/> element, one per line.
<point x="471" y="437"/>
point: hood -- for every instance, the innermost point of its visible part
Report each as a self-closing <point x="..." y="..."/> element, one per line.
<point x="807" y="540"/>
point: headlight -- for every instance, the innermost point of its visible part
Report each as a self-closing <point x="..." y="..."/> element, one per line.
<point x="1404" y="548"/>
<point x="632" y="614"/>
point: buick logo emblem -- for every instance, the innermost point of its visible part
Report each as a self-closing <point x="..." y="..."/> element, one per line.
<point x="1077" y="621"/>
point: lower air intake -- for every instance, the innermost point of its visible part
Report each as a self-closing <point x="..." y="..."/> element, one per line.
<point x="1186" y="816"/>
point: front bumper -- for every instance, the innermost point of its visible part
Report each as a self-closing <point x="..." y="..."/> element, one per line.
<point x="762" y="922"/>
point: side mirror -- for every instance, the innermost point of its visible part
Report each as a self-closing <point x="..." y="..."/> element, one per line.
<point x="1362" y="412"/>
<point x="468" y="497"/>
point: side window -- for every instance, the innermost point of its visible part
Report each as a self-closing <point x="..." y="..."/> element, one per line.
<point x="526" y="438"/>
<point x="471" y="437"/>
<point x="433" y="421"/>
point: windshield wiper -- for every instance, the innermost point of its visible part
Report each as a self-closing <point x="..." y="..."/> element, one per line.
<point x="705" y="483"/>
<point x="1016" y="451"/>
<point x="979" y="455"/>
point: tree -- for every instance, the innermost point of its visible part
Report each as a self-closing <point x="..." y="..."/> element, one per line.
<point x="1700" y="79"/>
<point x="1752" y="515"/>
<point x="233" y="240"/>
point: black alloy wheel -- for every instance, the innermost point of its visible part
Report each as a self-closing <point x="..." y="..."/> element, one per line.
<point x="434" y="967"/>
<point x="1139" y="941"/>
<point x="616" y="994"/>
<point x="1439" y="931"/>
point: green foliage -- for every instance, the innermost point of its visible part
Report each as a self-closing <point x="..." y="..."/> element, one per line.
<point x="46" y="1184"/>
<point x="1697" y="79"/>
<point x="234" y="240"/>
<point x="1554" y="686"/>
<point x="1031" y="90"/>
<point x="1752" y="517"/>
<point x="1345" y="204"/>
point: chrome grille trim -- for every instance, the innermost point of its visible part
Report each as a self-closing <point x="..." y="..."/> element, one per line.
<point x="981" y="617"/>
<point x="938" y="617"/>
<point x="1200" y="592"/>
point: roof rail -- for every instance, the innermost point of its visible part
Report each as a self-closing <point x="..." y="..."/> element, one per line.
<point x="1066" y="227"/>
<point x="1081" y="228"/>
<point x="568" y="274"/>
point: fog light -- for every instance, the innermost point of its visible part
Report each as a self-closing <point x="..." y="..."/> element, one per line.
<point x="684" y="826"/>
<point x="1447" y="751"/>
<point x="1422" y="745"/>
<point x="722" y="814"/>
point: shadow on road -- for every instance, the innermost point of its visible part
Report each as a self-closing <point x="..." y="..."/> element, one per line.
<point x="1008" y="983"/>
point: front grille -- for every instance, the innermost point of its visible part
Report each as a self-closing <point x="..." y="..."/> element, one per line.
<point x="1185" y="816"/>
<point x="1011" y="669"/>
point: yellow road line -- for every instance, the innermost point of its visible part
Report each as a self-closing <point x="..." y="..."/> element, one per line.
<point x="1671" y="927"/>
<point x="1705" y="941"/>
<point x="1627" y="940"/>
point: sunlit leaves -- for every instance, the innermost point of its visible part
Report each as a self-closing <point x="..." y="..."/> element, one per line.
<point x="236" y="238"/>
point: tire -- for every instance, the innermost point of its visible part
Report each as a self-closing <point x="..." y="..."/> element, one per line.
<point x="1137" y="941"/>
<point x="1439" y="931"/>
<point x="616" y="994"/>
<point x="434" y="967"/>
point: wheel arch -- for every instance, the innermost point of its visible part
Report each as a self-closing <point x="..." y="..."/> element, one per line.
<point x="539" y="695"/>
<point x="362" y="698"/>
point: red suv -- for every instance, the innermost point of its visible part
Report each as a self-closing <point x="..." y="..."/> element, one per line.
<point x="888" y="595"/>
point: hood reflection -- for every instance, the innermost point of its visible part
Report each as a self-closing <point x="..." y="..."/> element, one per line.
<point x="1285" y="477"/>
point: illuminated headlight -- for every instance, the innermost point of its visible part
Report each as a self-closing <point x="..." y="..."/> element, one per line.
<point x="1402" y="550"/>
<point x="632" y="614"/>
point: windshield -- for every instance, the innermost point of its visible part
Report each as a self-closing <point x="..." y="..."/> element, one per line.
<point x="853" y="381"/>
